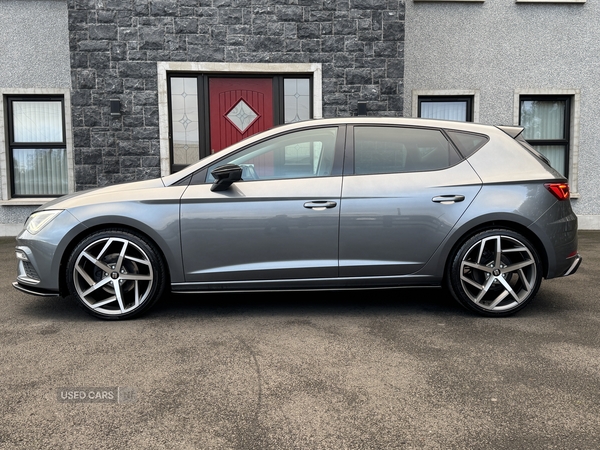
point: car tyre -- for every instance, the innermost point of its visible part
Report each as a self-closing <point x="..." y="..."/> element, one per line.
<point x="115" y="274"/>
<point x="495" y="272"/>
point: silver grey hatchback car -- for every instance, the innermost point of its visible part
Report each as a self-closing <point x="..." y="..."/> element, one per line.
<point x="323" y="204"/>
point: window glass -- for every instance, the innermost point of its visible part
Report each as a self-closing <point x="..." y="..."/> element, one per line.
<point x="296" y="97"/>
<point x="39" y="172"/>
<point x="444" y="110"/>
<point x="308" y="153"/>
<point x="468" y="143"/>
<point x="184" y="120"/>
<point x="37" y="121"/>
<point x="543" y="119"/>
<point x="395" y="149"/>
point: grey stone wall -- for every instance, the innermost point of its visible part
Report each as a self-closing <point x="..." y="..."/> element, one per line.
<point x="115" y="45"/>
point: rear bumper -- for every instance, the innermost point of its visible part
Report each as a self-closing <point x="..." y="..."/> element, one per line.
<point x="574" y="266"/>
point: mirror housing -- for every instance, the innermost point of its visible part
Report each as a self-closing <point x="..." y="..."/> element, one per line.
<point x="225" y="176"/>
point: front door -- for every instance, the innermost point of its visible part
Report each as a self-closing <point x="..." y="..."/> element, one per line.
<point x="239" y="107"/>
<point x="280" y="222"/>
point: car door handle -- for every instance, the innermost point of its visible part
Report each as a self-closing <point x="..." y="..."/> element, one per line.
<point x="320" y="205"/>
<point x="448" y="199"/>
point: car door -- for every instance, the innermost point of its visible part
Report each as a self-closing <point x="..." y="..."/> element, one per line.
<point x="405" y="190"/>
<point x="280" y="222"/>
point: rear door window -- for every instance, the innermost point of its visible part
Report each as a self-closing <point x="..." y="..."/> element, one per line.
<point x="401" y="149"/>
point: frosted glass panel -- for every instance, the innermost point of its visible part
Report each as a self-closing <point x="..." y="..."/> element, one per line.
<point x="543" y="119"/>
<point x="37" y="121"/>
<point x="184" y="124"/>
<point x="296" y="99"/>
<point x="444" y="110"/>
<point x="40" y="171"/>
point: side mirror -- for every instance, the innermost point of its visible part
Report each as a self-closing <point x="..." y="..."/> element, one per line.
<point x="225" y="176"/>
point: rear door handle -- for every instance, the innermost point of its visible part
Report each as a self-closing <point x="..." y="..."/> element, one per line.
<point x="448" y="199"/>
<point x="320" y="205"/>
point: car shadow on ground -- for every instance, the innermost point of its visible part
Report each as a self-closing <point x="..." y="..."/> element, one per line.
<point x="377" y="301"/>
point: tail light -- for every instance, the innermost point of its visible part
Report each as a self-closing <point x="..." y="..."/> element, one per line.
<point x="559" y="190"/>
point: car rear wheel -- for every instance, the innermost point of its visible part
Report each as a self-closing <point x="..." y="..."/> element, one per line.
<point x="115" y="274"/>
<point x="495" y="272"/>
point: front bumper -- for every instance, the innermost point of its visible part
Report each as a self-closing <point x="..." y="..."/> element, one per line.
<point x="33" y="291"/>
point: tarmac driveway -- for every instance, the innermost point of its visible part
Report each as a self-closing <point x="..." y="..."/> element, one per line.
<point x="369" y="370"/>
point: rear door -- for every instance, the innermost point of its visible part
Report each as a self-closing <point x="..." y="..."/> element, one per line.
<point x="405" y="191"/>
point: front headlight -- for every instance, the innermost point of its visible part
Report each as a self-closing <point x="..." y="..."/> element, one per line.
<point x="40" y="219"/>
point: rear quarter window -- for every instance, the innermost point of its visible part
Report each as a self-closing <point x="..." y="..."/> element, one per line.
<point x="467" y="143"/>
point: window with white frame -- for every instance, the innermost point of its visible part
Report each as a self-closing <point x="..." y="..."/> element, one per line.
<point x="546" y="123"/>
<point x="37" y="164"/>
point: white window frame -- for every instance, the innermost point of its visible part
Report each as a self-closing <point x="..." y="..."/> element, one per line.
<point x="4" y="161"/>
<point x="575" y="94"/>
<point x="416" y="93"/>
<point x="163" y="68"/>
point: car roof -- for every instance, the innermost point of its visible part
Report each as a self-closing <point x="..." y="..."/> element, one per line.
<point x="411" y="121"/>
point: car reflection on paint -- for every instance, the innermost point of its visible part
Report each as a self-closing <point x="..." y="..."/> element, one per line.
<point x="324" y="204"/>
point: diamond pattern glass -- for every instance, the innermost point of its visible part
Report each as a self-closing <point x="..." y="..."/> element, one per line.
<point x="242" y="116"/>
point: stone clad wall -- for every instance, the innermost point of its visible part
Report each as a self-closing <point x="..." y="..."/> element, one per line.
<point x="115" y="45"/>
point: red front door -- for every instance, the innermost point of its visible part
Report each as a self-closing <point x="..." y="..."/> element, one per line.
<point x="239" y="107"/>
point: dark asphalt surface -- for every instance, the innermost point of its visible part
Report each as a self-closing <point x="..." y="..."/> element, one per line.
<point x="390" y="369"/>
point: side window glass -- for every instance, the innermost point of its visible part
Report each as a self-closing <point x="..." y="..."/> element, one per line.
<point x="303" y="154"/>
<point x="468" y="143"/>
<point x="396" y="149"/>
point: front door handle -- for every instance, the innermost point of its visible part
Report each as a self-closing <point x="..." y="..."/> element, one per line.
<point x="320" y="205"/>
<point x="448" y="199"/>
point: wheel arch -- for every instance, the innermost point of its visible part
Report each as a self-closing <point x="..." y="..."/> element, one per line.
<point x="63" y="288"/>
<point x="469" y="230"/>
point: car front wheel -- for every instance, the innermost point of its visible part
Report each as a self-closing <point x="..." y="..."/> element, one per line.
<point x="495" y="272"/>
<point x="115" y="274"/>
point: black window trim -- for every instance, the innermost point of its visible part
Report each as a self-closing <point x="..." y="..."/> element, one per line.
<point x="566" y="141"/>
<point x="470" y="100"/>
<point x="10" y="99"/>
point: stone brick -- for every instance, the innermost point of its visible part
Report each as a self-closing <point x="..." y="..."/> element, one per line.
<point x="230" y="16"/>
<point x="185" y="25"/>
<point x="358" y="76"/>
<point x="102" y="32"/>
<point x="137" y="69"/>
<point x="344" y="27"/>
<point x="260" y="44"/>
<point x="368" y="4"/>
<point x="152" y="38"/>
<point x="163" y="8"/>
<point x="289" y="13"/>
<point x="332" y="44"/>
<point x="86" y="175"/>
<point x="393" y="31"/>
<point x="395" y="68"/>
